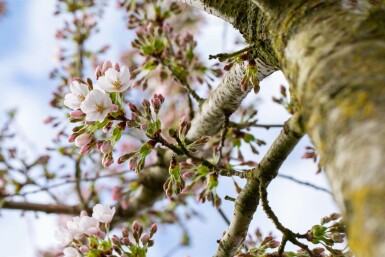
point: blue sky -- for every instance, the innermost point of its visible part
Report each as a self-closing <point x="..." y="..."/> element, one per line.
<point x="27" y="50"/>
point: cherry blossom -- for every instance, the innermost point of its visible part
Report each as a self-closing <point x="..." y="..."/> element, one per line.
<point x="103" y="213"/>
<point x="88" y="225"/>
<point x="96" y="106"/>
<point x="115" y="80"/>
<point x="73" y="227"/>
<point x="71" y="252"/>
<point x="78" y="94"/>
<point x="63" y="236"/>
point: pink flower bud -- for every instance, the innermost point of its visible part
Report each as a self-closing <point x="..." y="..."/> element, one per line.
<point x="153" y="229"/>
<point x="84" y="249"/>
<point x="116" y="193"/>
<point x="107" y="161"/>
<point x="144" y="238"/>
<point x="105" y="147"/>
<point x="106" y="66"/>
<point x="98" y="72"/>
<point x="83" y="140"/>
<point x="83" y="213"/>
<point x="187" y="175"/>
<point x="135" y="226"/>
<point x="100" y="234"/>
<point x="85" y="149"/>
<point x="132" y="163"/>
<point x="116" y="66"/>
<point x="156" y="103"/>
<point x="72" y="138"/>
<point x="273" y="244"/>
<point x="125" y="232"/>
<point x="114" y="108"/>
<point x="78" y="114"/>
<point x="183" y="121"/>
<point x="99" y="144"/>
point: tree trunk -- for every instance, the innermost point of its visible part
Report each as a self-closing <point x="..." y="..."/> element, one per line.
<point x="334" y="58"/>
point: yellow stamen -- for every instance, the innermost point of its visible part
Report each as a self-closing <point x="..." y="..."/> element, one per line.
<point x="117" y="84"/>
<point x="99" y="108"/>
<point x="81" y="98"/>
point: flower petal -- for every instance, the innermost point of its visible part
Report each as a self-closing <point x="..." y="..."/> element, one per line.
<point x="112" y="74"/>
<point x="124" y="74"/>
<point x="87" y="106"/>
<point x="71" y="101"/>
<point x="95" y="116"/>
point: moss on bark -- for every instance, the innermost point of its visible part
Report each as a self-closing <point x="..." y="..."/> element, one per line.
<point x="335" y="61"/>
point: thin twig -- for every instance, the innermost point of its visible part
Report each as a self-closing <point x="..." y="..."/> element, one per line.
<point x="290" y="235"/>
<point x="224" y="56"/>
<point x="191" y="113"/>
<point x="304" y="183"/>
<point x="223" y="138"/>
<point x="254" y="124"/>
<point x="224" y="217"/>
<point x="229" y="198"/>
<point x="78" y="174"/>
<point x="281" y="248"/>
<point x="91" y="179"/>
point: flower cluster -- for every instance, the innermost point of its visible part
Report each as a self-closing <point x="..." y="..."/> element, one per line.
<point x="95" y="100"/>
<point x="84" y="225"/>
<point x="267" y="243"/>
<point x="331" y="231"/>
<point x="85" y="236"/>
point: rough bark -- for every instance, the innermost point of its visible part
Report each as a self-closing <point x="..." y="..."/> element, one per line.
<point x="224" y="101"/>
<point x="335" y="60"/>
<point x="333" y="54"/>
<point x="248" y="200"/>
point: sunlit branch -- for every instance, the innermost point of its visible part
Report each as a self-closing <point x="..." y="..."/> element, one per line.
<point x="248" y="200"/>
<point x="226" y="98"/>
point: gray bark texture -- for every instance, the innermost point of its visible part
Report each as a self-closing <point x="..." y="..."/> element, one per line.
<point x="333" y="54"/>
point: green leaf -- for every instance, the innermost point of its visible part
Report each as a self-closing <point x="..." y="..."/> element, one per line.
<point x="117" y="134"/>
<point x="93" y="253"/>
<point x="175" y="172"/>
<point x="150" y="65"/>
<point x="190" y="54"/>
<point x="203" y="170"/>
<point x="147" y="50"/>
<point x="159" y="45"/>
<point x="236" y="142"/>
<point x="248" y="138"/>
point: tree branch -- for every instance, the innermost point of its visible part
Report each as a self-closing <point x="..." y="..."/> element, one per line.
<point x="47" y="208"/>
<point x="224" y="101"/>
<point x="248" y="200"/>
<point x="271" y="7"/>
<point x="209" y="9"/>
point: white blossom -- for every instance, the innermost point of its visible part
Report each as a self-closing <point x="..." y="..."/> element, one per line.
<point x="78" y="94"/>
<point x="63" y="236"/>
<point x="82" y="140"/>
<point x="88" y="225"/>
<point x="103" y="213"/>
<point x="96" y="106"/>
<point x="115" y="81"/>
<point x="73" y="227"/>
<point x="71" y="252"/>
